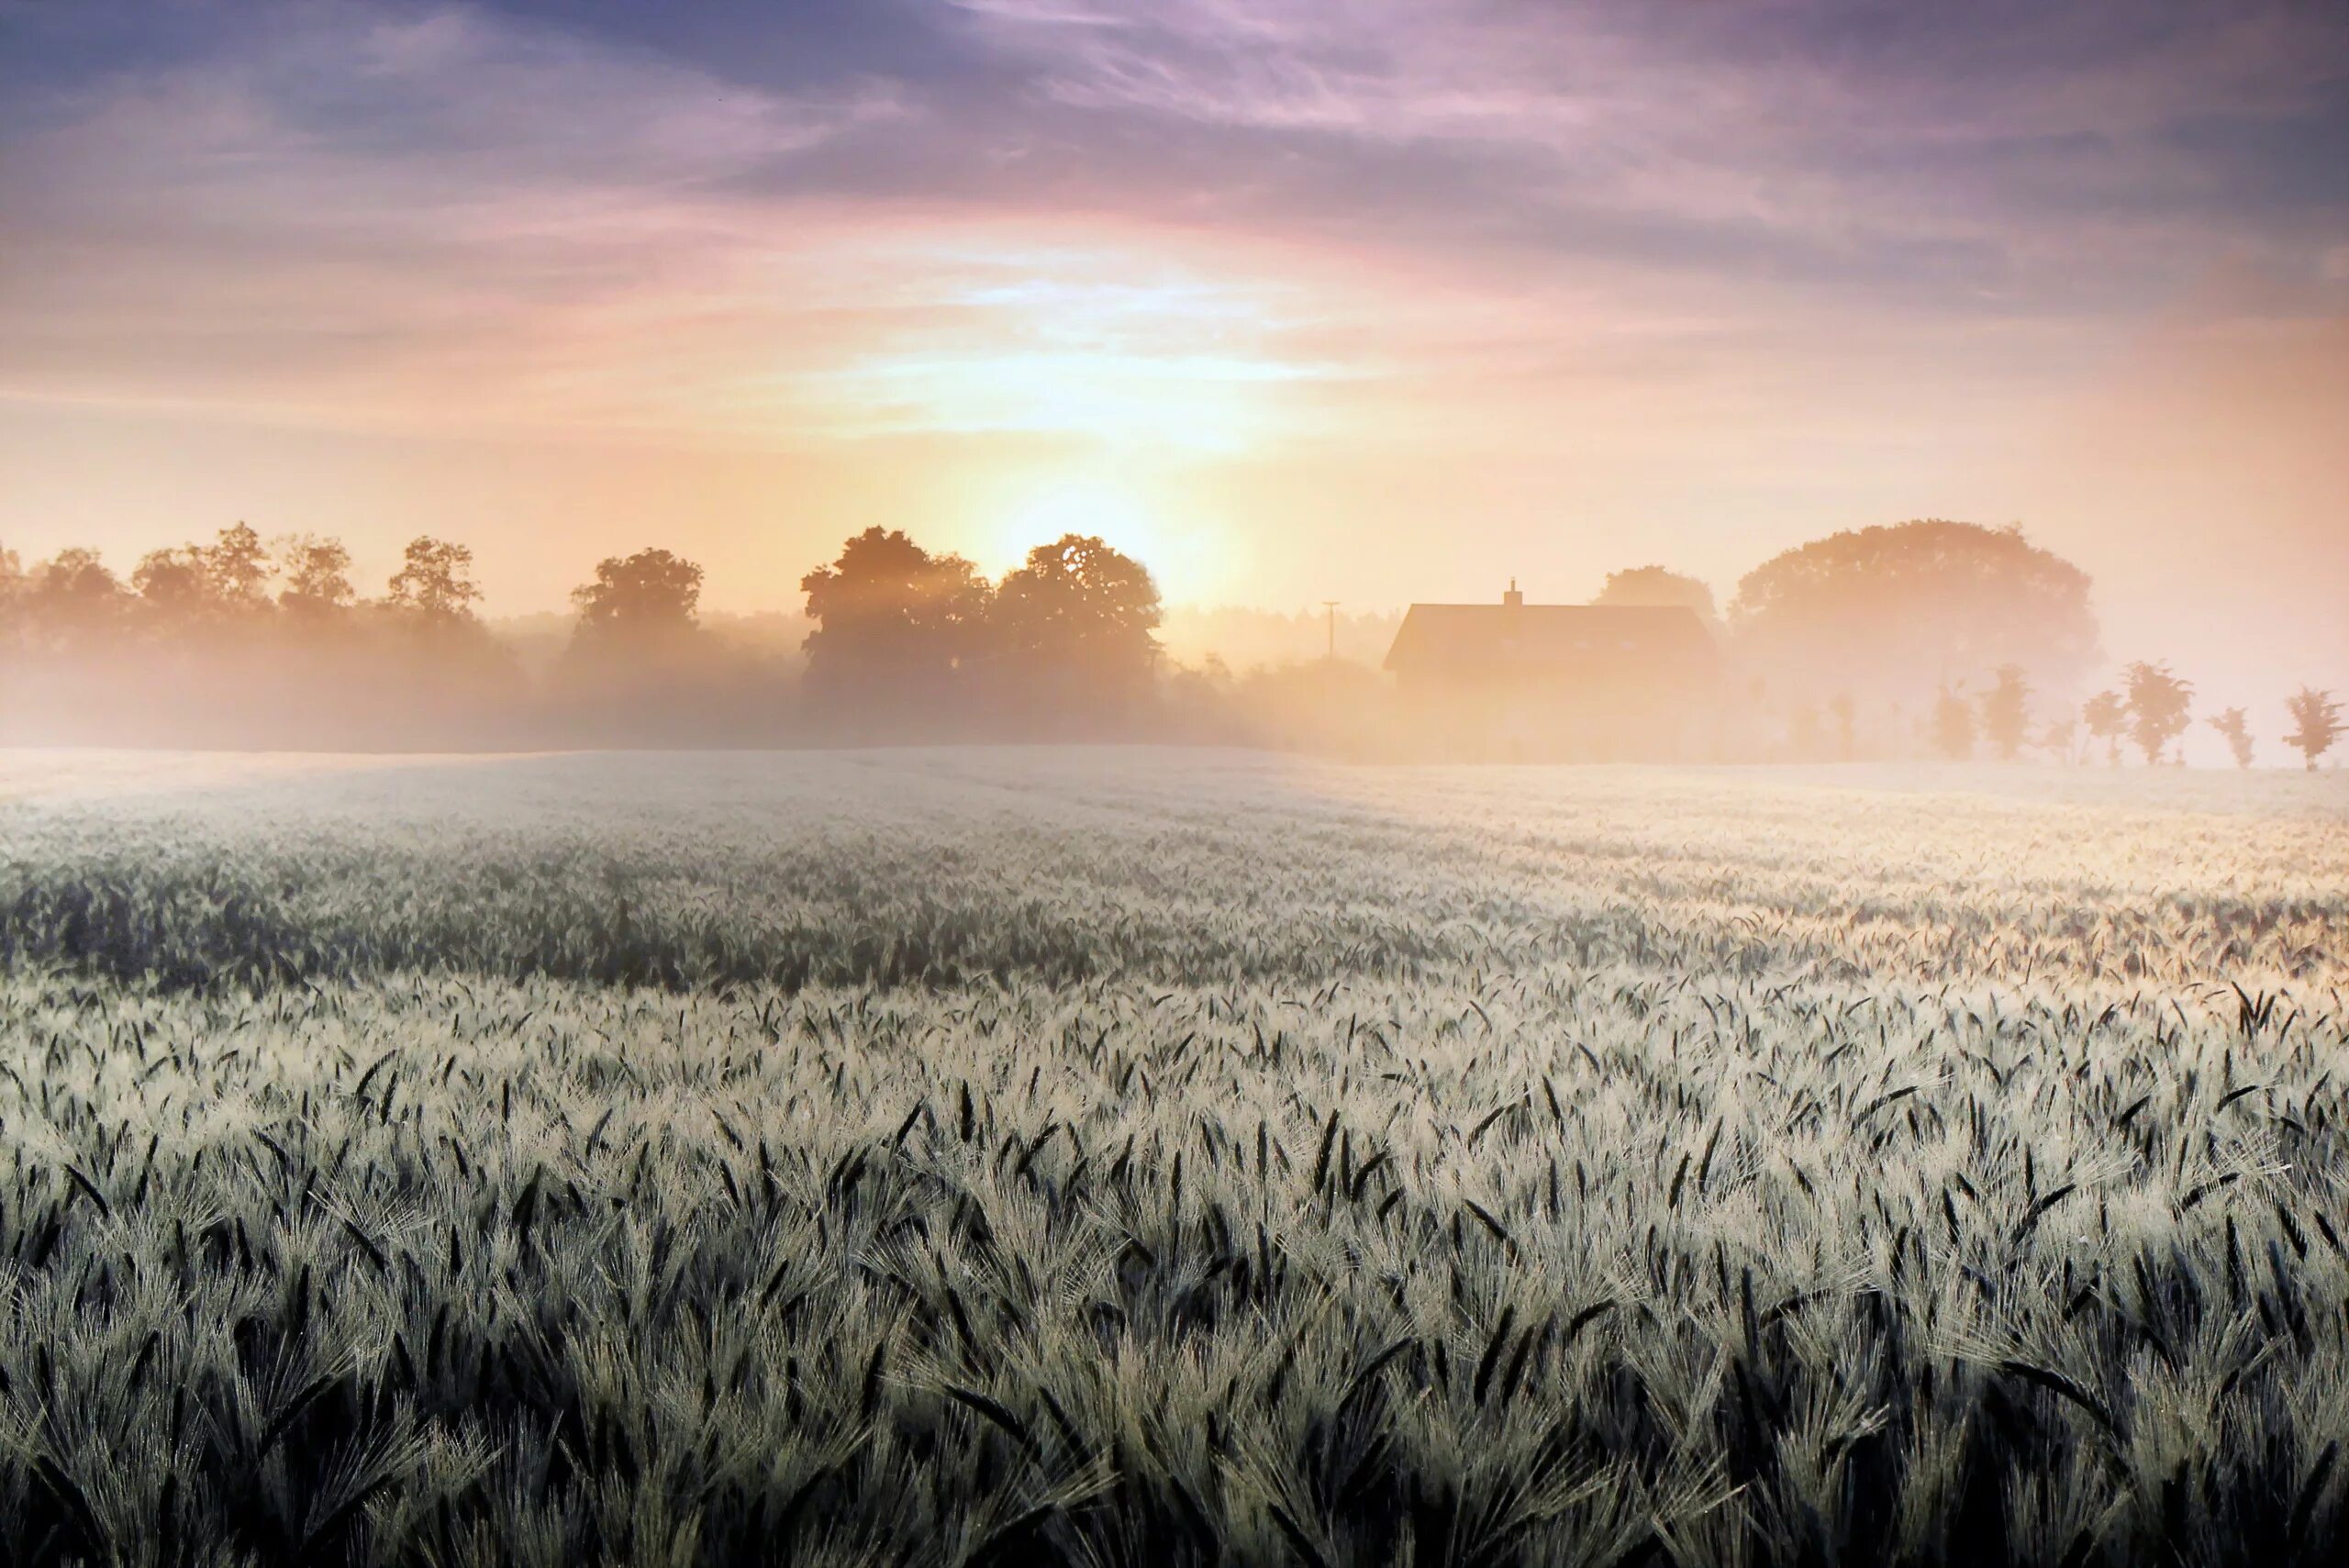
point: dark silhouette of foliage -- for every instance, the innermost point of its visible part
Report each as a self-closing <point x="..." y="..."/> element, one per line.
<point x="1073" y="627"/>
<point x="2006" y="713"/>
<point x="71" y="600"/>
<point x="2316" y="723"/>
<point x="895" y="625"/>
<point x="2159" y="707"/>
<point x="317" y="573"/>
<point x="2235" y="725"/>
<point x="237" y="568"/>
<point x="1953" y="726"/>
<point x="651" y="596"/>
<point x="435" y="581"/>
<point x="1896" y="609"/>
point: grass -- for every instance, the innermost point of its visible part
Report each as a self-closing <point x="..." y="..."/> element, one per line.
<point x="1123" y="1158"/>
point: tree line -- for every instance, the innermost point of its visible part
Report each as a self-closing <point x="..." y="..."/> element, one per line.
<point x="1838" y="642"/>
<point x="1929" y="637"/>
<point x="2150" y="710"/>
<point x="263" y="641"/>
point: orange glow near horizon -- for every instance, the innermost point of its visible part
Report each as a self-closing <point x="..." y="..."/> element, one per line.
<point x="1293" y="309"/>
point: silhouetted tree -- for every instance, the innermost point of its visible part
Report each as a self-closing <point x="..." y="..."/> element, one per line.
<point x="894" y="625"/>
<point x="2316" y="723"/>
<point x="1953" y="726"/>
<point x="435" y="581"/>
<point x="649" y="597"/>
<point x="171" y="585"/>
<point x="237" y="568"/>
<point x="204" y="585"/>
<point x="2060" y="738"/>
<point x="72" y="600"/>
<point x="1896" y="609"/>
<point x="2159" y="707"/>
<point x="318" y="576"/>
<point x="2235" y="725"/>
<point x="2107" y="715"/>
<point x="1657" y="585"/>
<point x="2006" y="713"/>
<point x="1072" y="632"/>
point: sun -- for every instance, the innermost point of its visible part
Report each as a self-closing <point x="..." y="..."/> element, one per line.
<point x="1183" y="560"/>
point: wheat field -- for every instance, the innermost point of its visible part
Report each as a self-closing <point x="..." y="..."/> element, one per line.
<point x="1125" y="1157"/>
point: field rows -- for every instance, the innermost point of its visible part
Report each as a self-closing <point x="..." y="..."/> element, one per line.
<point x="956" y="1157"/>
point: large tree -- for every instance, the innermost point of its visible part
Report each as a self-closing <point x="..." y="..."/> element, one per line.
<point x="1910" y="606"/>
<point x="435" y="581"/>
<point x="650" y="598"/>
<point x="1075" y="630"/>
<point x="71" y="600"/>
<point x="894" y="625"/>
<point x="318" y="576"/>
<point x="191" y="586"/>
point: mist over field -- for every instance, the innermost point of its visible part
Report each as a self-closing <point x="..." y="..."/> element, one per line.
<point x="1205" y="784"/>
<point x="1090" y="1154"/>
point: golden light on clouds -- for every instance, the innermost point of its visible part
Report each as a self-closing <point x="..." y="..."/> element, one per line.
<point x="1381" y="301"/>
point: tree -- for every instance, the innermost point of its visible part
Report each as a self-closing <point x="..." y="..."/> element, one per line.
<point x="1657" y="585"/>
<point x="16" y="591"/>
<point x="192" y="585"/>
<point x="2106" y="716"/>
<point x="1075" y="626"/>
<point x="1954" y="726"/>
<point x="236" y="569"/>
<point x="2235" y="725"/>
<point x="2061" y="738"/>
<point x="318" y="576"/>
<point x="2006" y="712"/>
<point x="2316" y="723"/>
<point x="651" y="596"/>
<point x="894" y="623"/>
<point x="435" y="581"/>
<point x="1902" y="608"/>
<point x="2159" y="705"/>
<point x="72" y="598"/>
<point x="171" y="583"/>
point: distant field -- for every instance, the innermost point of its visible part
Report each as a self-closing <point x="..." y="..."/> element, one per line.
<point x="1130" y="1156"/>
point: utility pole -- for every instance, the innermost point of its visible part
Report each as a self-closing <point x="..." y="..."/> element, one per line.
<point x="1330" y="608"/>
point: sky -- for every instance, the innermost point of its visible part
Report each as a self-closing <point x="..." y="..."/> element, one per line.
<point x="1367" y="300"/>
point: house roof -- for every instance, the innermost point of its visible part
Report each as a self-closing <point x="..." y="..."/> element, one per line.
<point x="1486" y="640"/>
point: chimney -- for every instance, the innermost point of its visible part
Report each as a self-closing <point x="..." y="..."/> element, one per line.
<point x="1512" y="599"/>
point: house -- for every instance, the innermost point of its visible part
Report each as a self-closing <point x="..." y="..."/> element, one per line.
<point x="1564" y="681"/>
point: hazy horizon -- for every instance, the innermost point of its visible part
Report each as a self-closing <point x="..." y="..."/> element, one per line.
<point x="1382" y="305"/>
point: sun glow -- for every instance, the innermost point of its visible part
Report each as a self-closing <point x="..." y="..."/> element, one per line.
<point x="1186" y="560"/>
